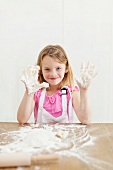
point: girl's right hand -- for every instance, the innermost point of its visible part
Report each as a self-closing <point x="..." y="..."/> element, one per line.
<point x="30" y="79"/>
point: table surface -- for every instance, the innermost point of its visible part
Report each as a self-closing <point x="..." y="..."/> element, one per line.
<point x="93" y="147"/>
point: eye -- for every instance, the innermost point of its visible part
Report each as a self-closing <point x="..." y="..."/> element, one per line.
<point x="47" y="69"/>
<point x="58" y="68"/>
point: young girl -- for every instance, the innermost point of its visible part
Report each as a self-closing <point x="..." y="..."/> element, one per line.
<point x="56" y="102"/>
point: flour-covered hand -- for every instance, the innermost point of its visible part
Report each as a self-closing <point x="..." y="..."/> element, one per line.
<point x="30" y="78"/>
<point x="87" y="73"/>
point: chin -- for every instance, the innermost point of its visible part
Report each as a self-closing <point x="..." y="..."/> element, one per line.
<point x="54" y="83"/>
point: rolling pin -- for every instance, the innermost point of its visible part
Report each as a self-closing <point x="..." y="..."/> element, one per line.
<point x="23" y="159"/>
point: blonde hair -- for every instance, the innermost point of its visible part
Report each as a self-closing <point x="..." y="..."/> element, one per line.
<point x="58" y="53"/>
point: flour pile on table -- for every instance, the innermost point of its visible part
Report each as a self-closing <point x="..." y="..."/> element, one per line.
<point x="41" y="138"/>
<point x="46" y="139"/>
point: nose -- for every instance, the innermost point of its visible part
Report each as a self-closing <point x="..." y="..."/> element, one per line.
<point x="53" y="73"/>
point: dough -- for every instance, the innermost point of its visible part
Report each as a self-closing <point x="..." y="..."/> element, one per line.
<point x="62" y="134"/>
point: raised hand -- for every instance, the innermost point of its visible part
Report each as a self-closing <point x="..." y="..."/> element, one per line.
<point x="30" y="78"/>
<point x="87" y="73"/>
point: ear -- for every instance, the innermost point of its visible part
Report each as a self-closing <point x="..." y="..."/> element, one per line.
<point x="66" y="70"/>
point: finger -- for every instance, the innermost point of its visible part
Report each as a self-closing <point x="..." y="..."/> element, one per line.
<point x="79" y="81"/>
<point x="95" y="74"/>
<point x="82" y="67"/>
<point x="88" y="65"/>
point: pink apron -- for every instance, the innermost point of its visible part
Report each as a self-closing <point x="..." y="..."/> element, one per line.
<point x="45" y="117"/>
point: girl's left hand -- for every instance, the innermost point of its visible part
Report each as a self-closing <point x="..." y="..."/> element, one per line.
<point x="87" y="73"/>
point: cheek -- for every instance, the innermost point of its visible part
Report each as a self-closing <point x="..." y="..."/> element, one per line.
<point x="45" y="74"/>
<point x="63" y="72"/>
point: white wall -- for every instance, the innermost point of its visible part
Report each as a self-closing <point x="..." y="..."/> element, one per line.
<point x="83" y="27"/>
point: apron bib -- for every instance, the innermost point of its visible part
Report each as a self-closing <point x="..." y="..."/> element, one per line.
<point x="45" y="117"/>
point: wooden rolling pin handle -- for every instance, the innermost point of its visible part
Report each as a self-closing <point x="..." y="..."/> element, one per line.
<point x="23" y="159"/>
<point x="46" y="157"/>
<point x="15" y="159"/>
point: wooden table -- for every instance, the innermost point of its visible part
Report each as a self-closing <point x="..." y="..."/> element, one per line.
<point x="95" y="153"/>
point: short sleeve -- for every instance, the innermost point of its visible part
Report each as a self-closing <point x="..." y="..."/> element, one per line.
<point x="36" y="99"/>
<point x="37" y="96"/>
<point x="76" y="88"/>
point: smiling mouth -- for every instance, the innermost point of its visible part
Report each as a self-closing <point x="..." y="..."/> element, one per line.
<point x="53" y="78"/>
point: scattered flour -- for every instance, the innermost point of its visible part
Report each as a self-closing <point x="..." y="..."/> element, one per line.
<point x="64" y="140"/>
<point x="47" y="138"/>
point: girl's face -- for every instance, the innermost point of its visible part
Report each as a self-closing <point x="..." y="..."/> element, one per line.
<point x="53" y="71"/>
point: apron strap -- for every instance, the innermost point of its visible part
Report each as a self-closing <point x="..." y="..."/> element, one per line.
<point x="40" y="107"/>
<point x="64" y="100"/>
<point x="66" y="110"/>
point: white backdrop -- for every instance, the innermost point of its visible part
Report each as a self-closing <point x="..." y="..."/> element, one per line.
<point x="83" y="27"/>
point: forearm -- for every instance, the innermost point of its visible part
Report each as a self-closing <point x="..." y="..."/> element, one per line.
<point x="87" y="73"/>
<point x="85" y="108"/>
<point x="26" y="107"/>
